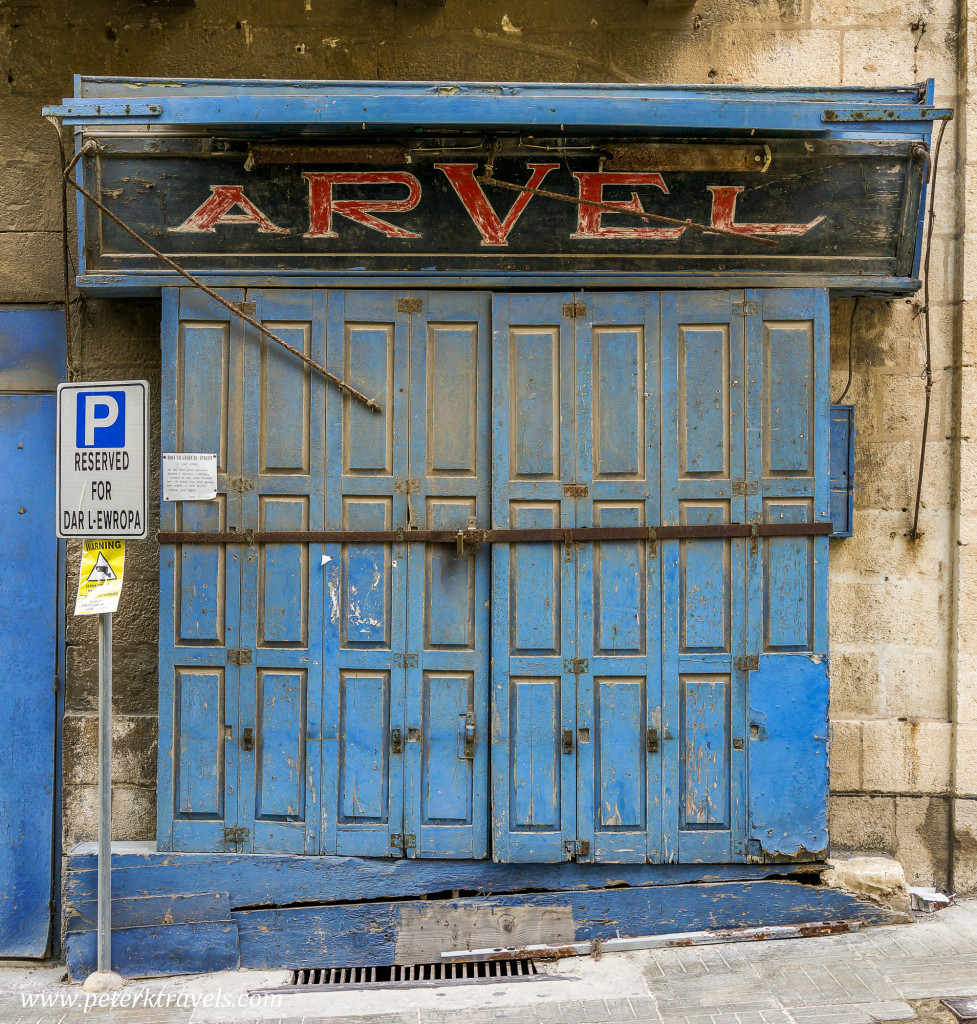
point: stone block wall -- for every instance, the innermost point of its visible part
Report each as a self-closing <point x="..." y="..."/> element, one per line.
<point x="903" y="613"/>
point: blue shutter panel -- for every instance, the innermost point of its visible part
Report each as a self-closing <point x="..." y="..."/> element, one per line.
<point x="842" y="469"/>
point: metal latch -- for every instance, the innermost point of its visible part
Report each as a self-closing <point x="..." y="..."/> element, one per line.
<point x="236" y="835"/>
<point x="247" y="739"/>
<point x="247" y="308"/>
<point x="652" y="741"/>
<point x="576" y="666"/>
<point x="567" y="741"/>
<point x="396" y="741"/>
<point x="746" y="487"/>
<point x="468" y="725"/>
<point x="409" y="305"/>
<point x="576" y="848"/>
<point x="403" y="841"/>
<point x="407" y="485"/>
<point x="404" y="661"/>
<point x="467" y="536"/>
<point x="746" y="308"/>
<point x="571" y="310"/>
<point x="239" y="655"/>
<point x="747" y="663"/>
<point x="575" y="490"/>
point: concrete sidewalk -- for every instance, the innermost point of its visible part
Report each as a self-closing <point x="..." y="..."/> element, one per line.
<point x="844" y="979"/>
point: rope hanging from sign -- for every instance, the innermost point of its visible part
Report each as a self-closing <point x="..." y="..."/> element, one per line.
<point x="92" y="146"/>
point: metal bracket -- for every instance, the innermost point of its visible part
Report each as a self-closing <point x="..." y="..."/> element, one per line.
<point x="396" y="741"/>
<point x="576" y="848"/>
<point x="571" y="310"/>
<point x="403" y="841"/>
<point x="241" y="484"/>
<point x="575" y="490"/>
<point x="754" y="539"/>
<point x="576" y="666"/>
<point x="746" y="487"/>
<point x="247" y="308"/>
<point x="409" y="305"/>
<point x="567" y="741"/>
<point x="469" y="748"/>
<point x="236" y="835"/>
<point x="747" y="663"/>
<point x="405" y="661"/>
<point x="652" y="741"/>
<point x="407" y="485"/>
<point x="746" y="308"/>
<point x="238" y="655"/>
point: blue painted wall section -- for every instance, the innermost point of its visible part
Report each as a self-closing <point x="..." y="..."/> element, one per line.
<point x="32" y="363"/>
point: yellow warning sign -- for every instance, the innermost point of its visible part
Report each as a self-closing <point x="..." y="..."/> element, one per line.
<point x="100" y="576"/>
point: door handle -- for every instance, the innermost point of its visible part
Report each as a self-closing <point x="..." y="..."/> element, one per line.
<point x="247" y="740"/>
<point x="396" y="741"/>
<point x="468" y="733"/>
<point x="567" y="741"/>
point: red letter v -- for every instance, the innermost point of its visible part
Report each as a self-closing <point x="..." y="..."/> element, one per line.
<point x="472" y="196"/>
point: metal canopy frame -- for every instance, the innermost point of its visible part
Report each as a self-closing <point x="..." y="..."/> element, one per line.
<point x="265" y="109"/>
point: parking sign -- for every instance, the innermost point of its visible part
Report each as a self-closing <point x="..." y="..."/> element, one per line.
<point x="103" y="464"/>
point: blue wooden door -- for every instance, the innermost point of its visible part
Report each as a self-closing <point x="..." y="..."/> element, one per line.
<point x="282" y="584"/>
<point x="200" y="584"/>
<point x="448" y="596"/>
<point x="744" y="398"/>
<point x="534" y="630"/>
<point x="406" y="708"/>
<point x="618" y="583"/>
<point x="365" y="636"/>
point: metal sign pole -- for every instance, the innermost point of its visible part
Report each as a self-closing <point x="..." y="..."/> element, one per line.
<point x="105" y="792"/>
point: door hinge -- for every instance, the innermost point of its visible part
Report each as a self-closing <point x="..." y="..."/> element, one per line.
<point x="405" y="661"/>
<point x="575" y="490"/>
<point x="576" y="848"/>
<point x="247" y="308"/>
<point x="403" y="841"/>
<point x="747" y="663"/>
<point x="236" y="835"/>
<point x="746" y="308"/>
<point x="407" y="485"/>
<point x="409" y="305"/>
<point x="571" y="310"/>
<point x="746" y="487"/>
<point x="239" y="655"/>
<point x="576" y="666"/>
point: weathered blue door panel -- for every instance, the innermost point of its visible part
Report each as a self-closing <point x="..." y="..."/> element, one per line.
<point x="447" y="595"/>
<point x="281" y="584"/>
<point x="618" y="589"/>
<point x="703" y="621"/>
<point x="789" y="756"/>
<point x="28" y="686"/>
<point x="534" y="687"/>
<point x="365" y="634"/>
<point x="200" y="585"/>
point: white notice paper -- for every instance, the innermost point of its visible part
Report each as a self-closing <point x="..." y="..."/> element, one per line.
<point x="189" y="477"/>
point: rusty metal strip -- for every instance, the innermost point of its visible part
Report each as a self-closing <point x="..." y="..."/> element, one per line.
<point x="489" y="179"/>
<point x="579" y="534"/>
<point x="91" y="146"/>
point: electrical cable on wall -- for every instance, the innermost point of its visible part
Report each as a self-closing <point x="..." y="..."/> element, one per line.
<point x="914" y="533"/>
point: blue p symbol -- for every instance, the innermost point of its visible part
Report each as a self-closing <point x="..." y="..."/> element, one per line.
<point x="100" y="419"/>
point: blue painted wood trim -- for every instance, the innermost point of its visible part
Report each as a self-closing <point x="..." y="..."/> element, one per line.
<point x="842" y="472"/>
<point x="150" y="284"/>
<point x="382" y="933"/>
<point x="256" y="880"/>
<point x="345" y="106"/>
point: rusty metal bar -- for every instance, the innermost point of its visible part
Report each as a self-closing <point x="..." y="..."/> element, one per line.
<point x="197" y="283"/>
<point x="579" y="534"/>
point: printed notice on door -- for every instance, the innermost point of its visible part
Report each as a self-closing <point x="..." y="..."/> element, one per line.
<point x="189" y="477"/>
<point x="100" y="576"/>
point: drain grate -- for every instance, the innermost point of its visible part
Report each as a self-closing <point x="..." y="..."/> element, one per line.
<point x="416" y="975"/>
